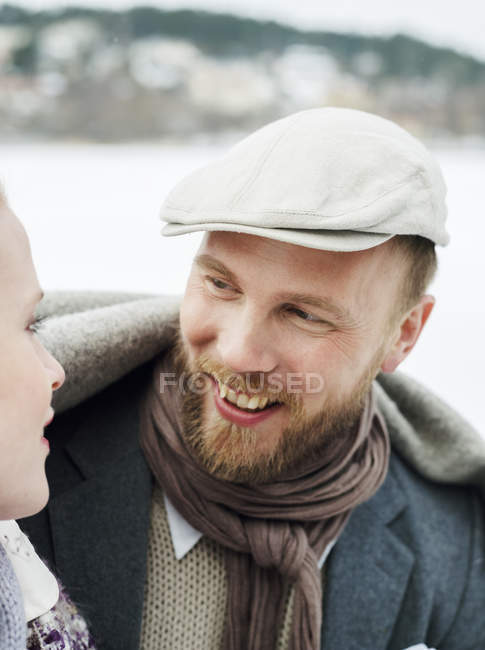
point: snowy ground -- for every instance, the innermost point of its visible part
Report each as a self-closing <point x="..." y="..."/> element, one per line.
<point x="92" y="216"/>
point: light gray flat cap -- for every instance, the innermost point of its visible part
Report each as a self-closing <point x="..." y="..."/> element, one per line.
<point x="329" y="178"/>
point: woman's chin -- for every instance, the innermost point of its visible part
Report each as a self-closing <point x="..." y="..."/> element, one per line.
<point x="28" y="503"/>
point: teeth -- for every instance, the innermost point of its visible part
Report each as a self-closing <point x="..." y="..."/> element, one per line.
<point x="242" y="401"/>
<point x="253" y="403"/>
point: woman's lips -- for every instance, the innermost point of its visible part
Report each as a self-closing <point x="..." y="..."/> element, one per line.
<point x="238" y="416"/>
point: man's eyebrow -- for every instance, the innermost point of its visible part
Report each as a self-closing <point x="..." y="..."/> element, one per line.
<point x="213" y="264"/>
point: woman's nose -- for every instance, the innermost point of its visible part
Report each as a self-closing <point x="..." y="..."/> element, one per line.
<point x="56" y="371"/>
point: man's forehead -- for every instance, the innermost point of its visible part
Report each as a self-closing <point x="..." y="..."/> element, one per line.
<point x="268" y="253"/>
<point x="264" y="251"/>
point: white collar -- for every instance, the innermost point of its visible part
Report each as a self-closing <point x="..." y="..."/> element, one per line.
<point x="185" y="537"/>
<point x="39" y="587"/>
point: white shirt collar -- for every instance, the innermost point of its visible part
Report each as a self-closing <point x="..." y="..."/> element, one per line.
<point x="185" y="537"/>
<point x="39" y="587"/>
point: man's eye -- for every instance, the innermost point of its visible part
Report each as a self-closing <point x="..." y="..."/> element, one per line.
<point x="219" y="284"/>
<point x="304" y="315"/>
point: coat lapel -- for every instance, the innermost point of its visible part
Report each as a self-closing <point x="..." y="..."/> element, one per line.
<point x="101" y="553"/>
<point x="367" y="575"/>
<point x="100" y="526"/>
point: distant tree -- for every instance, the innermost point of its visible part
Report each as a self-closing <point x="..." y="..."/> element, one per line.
<point x="24" y="58"/>
<point x="225" y="35"/>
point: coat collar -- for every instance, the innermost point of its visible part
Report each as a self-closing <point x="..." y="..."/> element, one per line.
<point x="100" y="337"/>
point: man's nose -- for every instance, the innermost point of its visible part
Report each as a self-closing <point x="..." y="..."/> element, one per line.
<point x="244" y="344"/>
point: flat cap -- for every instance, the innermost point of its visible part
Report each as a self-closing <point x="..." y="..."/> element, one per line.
<point x="328" y="178"/>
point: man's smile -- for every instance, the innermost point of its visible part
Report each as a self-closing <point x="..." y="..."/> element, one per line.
<point x="241" y="408"/>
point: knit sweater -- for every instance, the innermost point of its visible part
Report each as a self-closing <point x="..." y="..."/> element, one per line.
<point x="185" y="599"/>
<point x="12" y="616"/>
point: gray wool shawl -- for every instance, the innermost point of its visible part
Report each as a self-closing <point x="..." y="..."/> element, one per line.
<point x="100" y="337"/>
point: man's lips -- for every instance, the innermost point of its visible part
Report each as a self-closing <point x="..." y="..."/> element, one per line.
<point x="238" y="416"/>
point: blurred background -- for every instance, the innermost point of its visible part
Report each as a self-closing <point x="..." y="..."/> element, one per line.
<point x="105" y="105"/>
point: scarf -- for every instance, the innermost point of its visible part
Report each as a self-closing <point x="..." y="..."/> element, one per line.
<point x="273" y="533"/>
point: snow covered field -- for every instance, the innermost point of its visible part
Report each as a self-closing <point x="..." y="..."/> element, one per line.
<point x="92" y="215"/>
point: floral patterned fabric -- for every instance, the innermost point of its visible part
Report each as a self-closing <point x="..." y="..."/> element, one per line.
<point x="61" y="628"/>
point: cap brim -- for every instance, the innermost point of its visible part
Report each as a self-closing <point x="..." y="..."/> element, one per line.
<point x="328" y="240"/>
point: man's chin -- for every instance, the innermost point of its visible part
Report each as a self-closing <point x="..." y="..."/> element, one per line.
<point x="285" y="442"/>
<point x="235" y="454"/>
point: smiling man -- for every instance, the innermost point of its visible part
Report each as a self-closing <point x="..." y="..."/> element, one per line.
<point x="251" y="485"/>
<point x="237" y="322"/>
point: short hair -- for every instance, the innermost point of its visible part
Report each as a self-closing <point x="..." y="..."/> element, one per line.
<point x="419" y="256"/>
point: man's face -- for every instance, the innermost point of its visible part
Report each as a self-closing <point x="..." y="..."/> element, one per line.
<point x="306" y="329"/>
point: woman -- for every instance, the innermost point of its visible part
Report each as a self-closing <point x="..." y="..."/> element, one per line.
<point x="28" y="376"/>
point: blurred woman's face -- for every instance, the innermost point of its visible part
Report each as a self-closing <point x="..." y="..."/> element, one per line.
<point x="28" y="375"/>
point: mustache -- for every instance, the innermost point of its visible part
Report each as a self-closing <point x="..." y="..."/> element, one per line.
<point x="257" y="383"/>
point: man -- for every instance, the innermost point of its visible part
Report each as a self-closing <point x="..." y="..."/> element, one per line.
<point x="233" y="486"/>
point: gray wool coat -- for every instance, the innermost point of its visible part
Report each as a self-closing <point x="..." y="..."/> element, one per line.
<point x="409" y="567"/>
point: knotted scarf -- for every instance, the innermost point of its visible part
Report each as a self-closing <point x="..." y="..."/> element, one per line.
<point x="274" y="533"/>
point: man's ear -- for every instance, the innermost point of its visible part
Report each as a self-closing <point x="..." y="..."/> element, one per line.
<point x="407" y="333"/>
